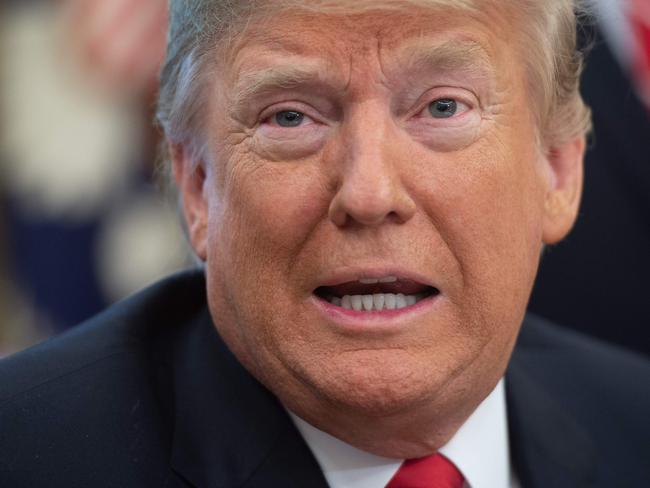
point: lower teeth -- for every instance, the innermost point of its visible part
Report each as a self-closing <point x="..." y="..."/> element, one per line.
<point x="377" y="302"/>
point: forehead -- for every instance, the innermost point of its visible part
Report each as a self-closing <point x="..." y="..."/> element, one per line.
<point x="331" y="40"/>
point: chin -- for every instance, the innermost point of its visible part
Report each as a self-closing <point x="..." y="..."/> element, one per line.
<point x="379" y="383"/>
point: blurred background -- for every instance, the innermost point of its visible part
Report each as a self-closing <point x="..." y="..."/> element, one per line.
<point x="83" y="222"/>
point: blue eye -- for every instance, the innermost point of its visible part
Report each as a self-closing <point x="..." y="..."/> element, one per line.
<point x="443" y="108"/>
<point x="289" y="118"/>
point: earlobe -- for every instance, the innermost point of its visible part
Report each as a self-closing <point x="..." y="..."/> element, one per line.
<point x="189" y="175"/>
<point x="562" y="201"/>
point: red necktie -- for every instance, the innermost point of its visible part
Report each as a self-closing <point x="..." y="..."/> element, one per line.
<point x="434" y="471"/>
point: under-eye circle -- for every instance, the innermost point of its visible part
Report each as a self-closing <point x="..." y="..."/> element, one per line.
<point x="289" y="118"/>
<point x="443" y="108"/>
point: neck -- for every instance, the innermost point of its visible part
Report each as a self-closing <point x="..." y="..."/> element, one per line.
<point x="412" y="432"/>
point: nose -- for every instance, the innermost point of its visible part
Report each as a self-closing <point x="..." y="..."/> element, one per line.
<point x="371" y="176"/>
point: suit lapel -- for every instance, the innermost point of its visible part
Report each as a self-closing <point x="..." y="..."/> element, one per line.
<point x="229" y="431"/>
<point x="549" y="448"/>
<point x="289" y="463"/>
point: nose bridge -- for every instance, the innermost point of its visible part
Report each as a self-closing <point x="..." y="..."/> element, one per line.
<point x="366" y="136"/>
<point x="371" y="187"/>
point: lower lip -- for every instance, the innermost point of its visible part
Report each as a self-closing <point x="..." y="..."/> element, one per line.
<point x="373" y="320"/>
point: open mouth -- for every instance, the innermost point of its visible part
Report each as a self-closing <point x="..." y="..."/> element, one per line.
<point x="387" y="293"/>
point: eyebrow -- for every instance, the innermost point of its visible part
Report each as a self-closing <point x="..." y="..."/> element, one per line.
<point x="258" y="82"/>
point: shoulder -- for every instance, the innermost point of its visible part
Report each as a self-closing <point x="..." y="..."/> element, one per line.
<point x="563" y="359"/>
<point x="128" y="328"/>
<point x="94" y="398"/>
<point x="578" y="396"/>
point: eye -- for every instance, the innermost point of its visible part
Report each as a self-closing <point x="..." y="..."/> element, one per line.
<point x="443" y="108"/>
<point x="288" y="118"/>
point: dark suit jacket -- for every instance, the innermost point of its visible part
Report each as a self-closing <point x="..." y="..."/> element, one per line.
<point x="147" y="395"/>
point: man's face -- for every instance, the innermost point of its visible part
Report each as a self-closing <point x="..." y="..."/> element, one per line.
<point x="346" y="152"/>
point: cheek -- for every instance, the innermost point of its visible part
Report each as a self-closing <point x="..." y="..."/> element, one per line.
<point x="264" y="215"/>
<point x="486" y="203"/>
<point x="269" y="210"/>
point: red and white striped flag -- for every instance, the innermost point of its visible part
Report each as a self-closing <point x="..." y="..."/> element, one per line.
<point x="639" y="17"/>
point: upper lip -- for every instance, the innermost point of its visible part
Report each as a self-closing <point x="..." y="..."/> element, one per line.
<point x="348" y="274"/>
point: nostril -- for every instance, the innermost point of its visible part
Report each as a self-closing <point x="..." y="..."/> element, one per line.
<point x="370" y="204"/>
<point x="368" y="215"/>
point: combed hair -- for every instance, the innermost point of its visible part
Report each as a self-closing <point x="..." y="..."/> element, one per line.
<point x="198" y="29"/>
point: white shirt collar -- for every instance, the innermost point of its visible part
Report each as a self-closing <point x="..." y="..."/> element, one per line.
<point x="479" y="449"/>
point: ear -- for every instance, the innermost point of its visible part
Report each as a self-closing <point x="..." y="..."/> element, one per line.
<point x="189" y="174"/>
<point x="565" y="165"/>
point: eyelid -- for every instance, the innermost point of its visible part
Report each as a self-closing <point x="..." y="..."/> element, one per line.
<point x="459" y="95"/>
<point x="270" y="120"/>
<point x="276" y="108"/>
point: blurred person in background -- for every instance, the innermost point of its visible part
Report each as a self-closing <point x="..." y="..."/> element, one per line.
<point x="84" y="223"/>
<point x="369" y="187"/>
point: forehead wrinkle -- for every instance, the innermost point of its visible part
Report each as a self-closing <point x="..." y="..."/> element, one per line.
<point x="451" y="55"/>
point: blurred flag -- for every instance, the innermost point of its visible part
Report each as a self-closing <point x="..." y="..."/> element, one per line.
<point x="626" y="26"/>
<point x="639" y="18"/>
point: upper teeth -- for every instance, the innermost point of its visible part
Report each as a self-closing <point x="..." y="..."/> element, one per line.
<point x="378" y="301"/>
<point x="372" y="281"/>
